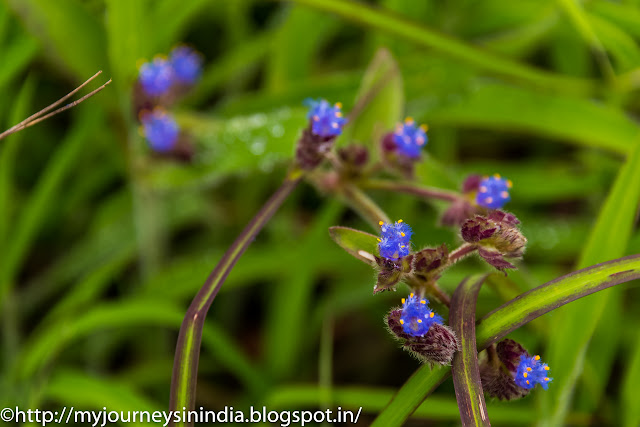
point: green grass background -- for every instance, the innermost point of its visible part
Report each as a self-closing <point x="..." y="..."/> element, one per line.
<point x="102" y="246"/>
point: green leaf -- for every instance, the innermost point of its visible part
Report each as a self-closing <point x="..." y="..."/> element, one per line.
<point x="237" y="145"/>
<point x="363" y="246"/>
<point x="379" y="103"/>
<point x="16" y="57"/>
<point x="34" y="214"/>
<point x="445" y="45"/>
<point x="78" y="390"/>
<point x="503" y="107"/>
<point x="629" y="402"/>
<point x="82" y="51"/>
<point x="569" y="340"/>
<point x="464" y="367"/>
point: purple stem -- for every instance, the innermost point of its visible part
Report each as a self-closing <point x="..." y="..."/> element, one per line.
<point x="410" y="188"/>
<point x="185" y="364"/>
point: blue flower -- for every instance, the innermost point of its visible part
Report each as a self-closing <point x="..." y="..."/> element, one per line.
<point x="493" y="192"/>
<point x="156" y="77"/>
<point x="409" y="138"/>
<point x="395" y="240"/>
<point x="186" y="63"/>
<point x="417" y="317"/>
<point x="326" y="121"/>
<point x="160" y="129"/>
<point x="531" y="372"/>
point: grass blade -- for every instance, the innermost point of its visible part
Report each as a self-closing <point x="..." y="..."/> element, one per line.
<point x="411" y="31"/>
<point x="568" y="342"/>
<point x="466" y="374"/>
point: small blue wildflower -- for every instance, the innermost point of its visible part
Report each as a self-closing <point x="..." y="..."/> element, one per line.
<point x="186" y="63"/>
<point x="326" y="121"/>
<point x="417" y="317"/>
<point x="493" y="192"/>
<point x="156" y="77"/>
<point x="395" y="240"/>
<point x="160" y="129"/>
<point x="409" y="138"/>
<point x="531" y="372"/>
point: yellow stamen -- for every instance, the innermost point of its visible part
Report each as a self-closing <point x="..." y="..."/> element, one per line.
<point x="496" y="176"/>
<point x="424" y="128"/>
<point x="411" y="295"/>
<point x="409" y="120"/>
<point x="525" y="375"/>
<point x="381" y="223"/>
<point x="537" y="357"/>
<point x="338" y="104"/>
<point x="423" y="302"/>
<point x="529" y="369"/>
<point x="419" y="320"/>
<point x="432" y="314"/>
<point x="338" y="114"/>
<point x="509" y="183"/>
<point x="379" y="240"/>
<point x="402" y="246"/>
<point x="546" y="368"/>
<point x="403" y="300"/>
<point x="401" y="322"/>
<point x="527" y="381"/>
<point x="402" y="234"/>
<point x="399" y="221"/>
<point x="546" y="378"/>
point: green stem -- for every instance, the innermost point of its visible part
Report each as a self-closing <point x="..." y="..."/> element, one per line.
<point x="364" y="206"/>
<point x="185" y="365"/>
<point x="410" y="188"/>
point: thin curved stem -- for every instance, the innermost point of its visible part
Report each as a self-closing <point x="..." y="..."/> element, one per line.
<point x="185" y="365"/>
<point x="364" y="205"/>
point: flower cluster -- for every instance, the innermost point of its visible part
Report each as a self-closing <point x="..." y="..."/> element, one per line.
<point x="325" y="125"/>
<point x="326" y="120"/>
<point x="531" y="372"/>
<point x="160" y="82"/>
<point x="182" y="67"/>
<point x="409" y="138"/>
<point x="417" y="317"/>
<point x="395" y="240"/>
<point x="493" y="192"/>
<point x="160" y="129"/>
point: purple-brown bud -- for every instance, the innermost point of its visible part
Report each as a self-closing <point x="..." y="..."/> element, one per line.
<point x="391" y="272"/>
<point x="428" y="264"/>
<point x="438" y="345"/>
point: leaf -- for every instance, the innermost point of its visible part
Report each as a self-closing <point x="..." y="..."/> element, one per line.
<point x="629" y="402"/>
<point x="551" y="295"/>
<point x="411" y="394"/>
<point x="508" y="317"/>
<point x="569" y="340"/>
<point x="379" y="103"/>
<point x="464" y="367"/>
<point x="357" y="243"/>
<point x="503" y="107"/>
<point x="237" y="145"/>
<point x="34" y="214"/>
<point x="445" y="45"/>
<point x="81" y="51"/>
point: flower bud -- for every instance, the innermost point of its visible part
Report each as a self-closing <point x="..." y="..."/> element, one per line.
<point x="428" y="263"/>
<point x="510" y="373"/>
<point x="437" y="345"/>
<point x="497" y="236"/>
<point x="325" y="124"/>
<point x="354" y="158"/>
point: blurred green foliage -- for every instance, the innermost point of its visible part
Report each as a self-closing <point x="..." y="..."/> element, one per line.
<point x="104" y="245"/>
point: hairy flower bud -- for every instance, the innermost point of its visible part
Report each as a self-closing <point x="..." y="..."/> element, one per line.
<point x="497" y="236"/>
<point x="428" y="264"/>
<point x="325" y="124"/>
<point x="510" y="372"/>
<point x="437" y="345"/>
